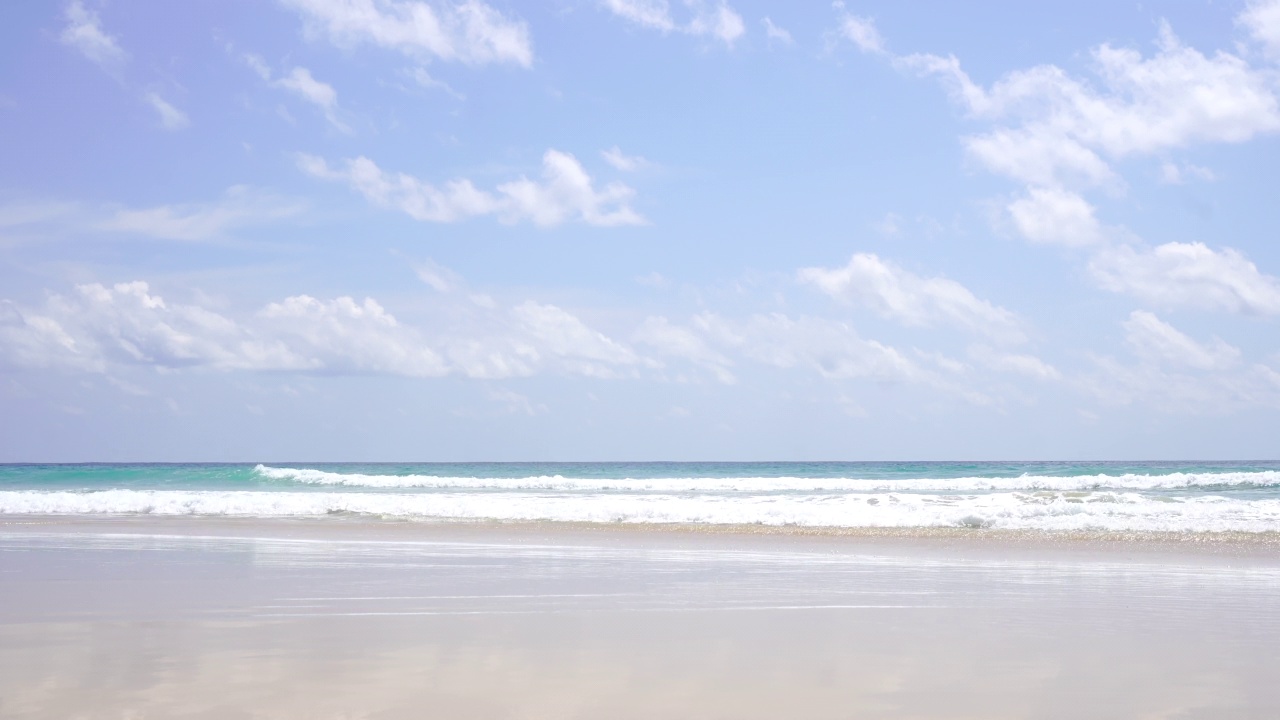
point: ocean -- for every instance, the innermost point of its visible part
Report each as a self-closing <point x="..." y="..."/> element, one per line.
<point x="1056" y="496"/>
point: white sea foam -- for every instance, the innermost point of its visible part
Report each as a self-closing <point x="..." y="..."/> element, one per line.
<point x="1081" y="483"/>
<point x="1108" y="510"/>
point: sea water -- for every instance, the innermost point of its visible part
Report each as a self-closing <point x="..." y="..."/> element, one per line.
<point x="1077" y="496"/>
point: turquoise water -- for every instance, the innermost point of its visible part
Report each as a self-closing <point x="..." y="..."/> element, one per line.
<point x="1140" y="496"/>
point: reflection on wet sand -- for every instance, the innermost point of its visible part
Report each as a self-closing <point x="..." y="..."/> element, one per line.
<point x="300" y="620"/>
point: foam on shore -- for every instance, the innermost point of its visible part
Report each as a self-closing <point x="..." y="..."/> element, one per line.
<point x="1061" y="511"/>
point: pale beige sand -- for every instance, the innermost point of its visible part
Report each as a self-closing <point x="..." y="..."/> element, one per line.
<point x="219" y="618"/>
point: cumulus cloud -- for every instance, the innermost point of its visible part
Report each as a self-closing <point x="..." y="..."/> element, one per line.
<point x="1158" y="341"/>
<point x="1063" y="127"/>
<point x="171" y="118"/>
<point x="100" y="326"/>
<point x="560" y="333"/>
<point x="1176" y="373"/>
<point x="343" y="335"/>
<point x="833" y="349"/>
<point x="84" y="33"/>
<point x="675" y="341"/>
<point x="1056" y="132"/>
<point x="470" y="32"/>
<point x="127" y="324"/>
<point x="710" y="19"/>
<point x="1262" y="20"/>
<point x="566" y="192"/>
<point x="1039" y="156"/>
<point x="34" y="339"/>
<point x="1188" y="275"/>
<point x="1055" y="216"/>
<point x="910" y="299"/>
<point x="1181" y="391"/>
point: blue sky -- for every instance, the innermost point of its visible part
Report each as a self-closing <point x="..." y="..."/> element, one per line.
<point x="637" y="229"/>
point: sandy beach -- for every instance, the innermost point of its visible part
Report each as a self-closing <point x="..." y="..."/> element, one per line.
<point x="339" y="618"/>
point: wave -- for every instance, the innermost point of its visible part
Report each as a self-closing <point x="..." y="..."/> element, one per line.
<point x="1108" y="511"/>
<point x="1082" y="483"/>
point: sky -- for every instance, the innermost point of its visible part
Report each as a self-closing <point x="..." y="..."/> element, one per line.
<point x="421" y="230"/>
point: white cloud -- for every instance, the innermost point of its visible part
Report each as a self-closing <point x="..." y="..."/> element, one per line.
<point x="775" y="33"/>
<point x="84" y="33"/>
<point x="239" y="207"/>
<point x="1064" y="126"/>
<point x="653" y="14"/>
<point x="300" y="82"/>
<point x="1179" y="391"/>
<point x="127" y="324"/>
<point x="1055" y="216"/>
<point x="514" y="403"/>
<point x="890" y="225"/>
<point x="440" y="278"/>
<point x="683" y="343"/>
<point x="1173" y="174"/>
<point x="21" y="214"/>
<point x="719" y="21"/>
<point x="1158" y="341"/>
<point x="566" y="192"/>
<point x="1041" y="156"/>
<point x="861" y="31"/>
<point x="32" y="339"/>
<point x="1052" y="130"/>
<point x="322" y="95"/>
<point x="1176" y="373"/>
<point x="559" y="333"/>
<point x="1262" y="19"/>
<point x="833" y="349"/>
<point x="343" y="335"/>
<point x="471" y="32"/>
<point x="424" y="79"/>
<point x="1015" y="363"/>
<point x="620" y="161"/>
<point x="102" y="326"/>
<point x="910" y="299"/>
<point x="171" y="118"/>
<point x="706" y="18"/>
<point x="1188" y="275"/>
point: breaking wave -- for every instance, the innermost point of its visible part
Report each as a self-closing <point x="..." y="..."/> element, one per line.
<point x="1037" y="510"/>
<point x="1081" y="483"/>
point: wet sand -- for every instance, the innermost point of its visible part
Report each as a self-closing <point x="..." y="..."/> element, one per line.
<point x="341" y="618"/>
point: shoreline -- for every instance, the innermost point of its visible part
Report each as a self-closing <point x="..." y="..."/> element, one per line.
<point x="372" y="528"/>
